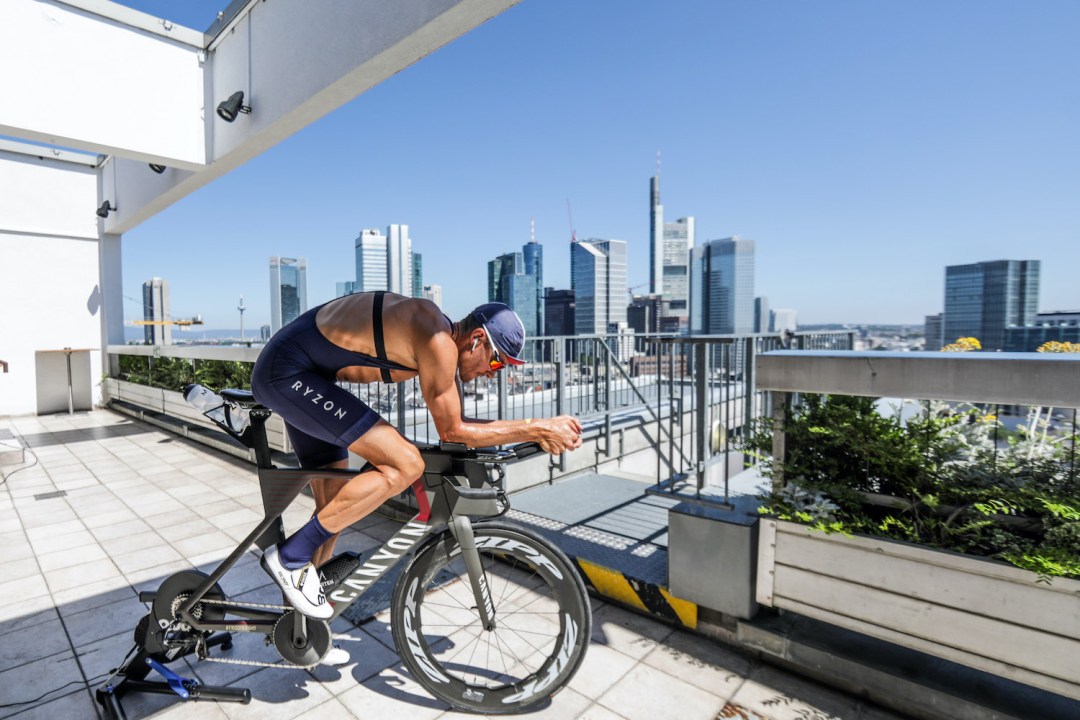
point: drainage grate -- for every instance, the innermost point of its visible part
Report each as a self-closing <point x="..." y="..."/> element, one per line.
<point x="50" y="495"/>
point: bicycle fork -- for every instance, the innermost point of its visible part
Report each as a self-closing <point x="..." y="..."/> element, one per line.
<point x="461" y="527"/>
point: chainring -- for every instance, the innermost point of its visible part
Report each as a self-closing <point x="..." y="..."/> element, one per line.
<point x="319" y="639"/>
<point x="165" y="635"/>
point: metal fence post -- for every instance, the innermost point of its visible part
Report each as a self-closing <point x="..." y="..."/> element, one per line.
<point x="560" y="383"/>
<point x="702" y="410"/>
<point x="500" y="382"/>
<point x="607" y="402"/>
<point x="401" y="407"/>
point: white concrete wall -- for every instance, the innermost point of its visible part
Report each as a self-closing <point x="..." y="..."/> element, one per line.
<point x="49" y="272"/>
<point x="86" y="81"/>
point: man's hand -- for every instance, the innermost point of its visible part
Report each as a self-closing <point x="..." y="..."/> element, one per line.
<point x="559" y="434"/>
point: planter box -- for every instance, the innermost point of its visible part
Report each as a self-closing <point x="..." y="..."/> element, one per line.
<point x="980" y="613"/>
<point x="172" y="403"/>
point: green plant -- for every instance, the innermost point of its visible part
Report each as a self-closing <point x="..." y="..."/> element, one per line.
<point x="174" y="373"/>
<point x="949" y="478"/>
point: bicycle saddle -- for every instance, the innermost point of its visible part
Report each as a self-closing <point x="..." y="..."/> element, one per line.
<point x="243" y="398"/>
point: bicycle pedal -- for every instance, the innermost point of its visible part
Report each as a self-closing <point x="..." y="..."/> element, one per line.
<point x="336" y="569"/>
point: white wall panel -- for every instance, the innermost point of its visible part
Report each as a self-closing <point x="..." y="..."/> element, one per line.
<point x="85" y="81"/>
<point x="42" y="196"/>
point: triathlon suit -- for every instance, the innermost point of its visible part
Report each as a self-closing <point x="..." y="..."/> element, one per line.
<point x="296" y="376"/>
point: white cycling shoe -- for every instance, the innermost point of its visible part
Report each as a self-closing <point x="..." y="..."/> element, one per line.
<point x="302" y="587"/>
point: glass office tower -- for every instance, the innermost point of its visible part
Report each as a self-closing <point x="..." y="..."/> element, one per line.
<point x="722" y="287"/>
<point x="982" y="299"/>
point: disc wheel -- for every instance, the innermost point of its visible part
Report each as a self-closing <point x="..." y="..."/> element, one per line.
<point x="542" y="621"/>
<point x="166" y="636"/>
<point x="315" y="646"/>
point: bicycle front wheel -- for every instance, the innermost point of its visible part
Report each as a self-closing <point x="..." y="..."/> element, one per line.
<point x="542" y="621"/>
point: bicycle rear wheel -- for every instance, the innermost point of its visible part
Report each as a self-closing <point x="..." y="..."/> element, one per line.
<point x="542" y="621"/>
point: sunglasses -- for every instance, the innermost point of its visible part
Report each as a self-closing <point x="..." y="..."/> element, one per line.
<point x="496" y="362"/>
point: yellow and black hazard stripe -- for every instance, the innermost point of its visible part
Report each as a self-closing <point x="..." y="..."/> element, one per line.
<point x="643" y="596"/>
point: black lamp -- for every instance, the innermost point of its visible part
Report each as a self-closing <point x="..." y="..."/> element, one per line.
<point x="157" y="168"/>
<point x="229" y="109"/>
<point x="105" y="209"/>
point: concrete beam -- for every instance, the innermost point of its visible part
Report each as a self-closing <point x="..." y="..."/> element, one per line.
<point x="1047" y="379"/>
<point x="295" y="63"/>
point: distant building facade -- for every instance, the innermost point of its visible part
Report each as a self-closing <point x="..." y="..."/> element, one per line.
<point x="517" y="279"/>
<point x="982" y="299"/>
<point x="934" y="331"/>
<point x="1060" y="326"/>
<point x="288" y="290"/>
<point x="385" y="262"/>
<point x="345" y="288"/>
<point x="762" y="319"/>
<point x="670" y="245"/>
<point x="155" y="294"/>
<point x="417" y="275"/>
<point x="433" y="293"/>
<point x="644" y="313"/>
<point x="598" y="279"/>
<point x="559" y="308"/>
<point x="782" y="320"/>
<point x="722" y="287"/>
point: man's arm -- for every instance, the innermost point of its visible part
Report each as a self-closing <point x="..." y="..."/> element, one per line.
<point x="437" y="363"/>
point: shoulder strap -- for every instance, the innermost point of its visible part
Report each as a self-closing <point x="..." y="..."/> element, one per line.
<point x="377" y="329"/>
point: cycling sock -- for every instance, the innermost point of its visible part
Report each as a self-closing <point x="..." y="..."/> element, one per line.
<point x="298" y="549"/>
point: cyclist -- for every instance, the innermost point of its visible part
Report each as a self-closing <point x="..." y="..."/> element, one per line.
<point x="363" y="338"/>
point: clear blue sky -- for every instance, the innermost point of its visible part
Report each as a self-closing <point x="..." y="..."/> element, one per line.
<point x="863" y="145"/>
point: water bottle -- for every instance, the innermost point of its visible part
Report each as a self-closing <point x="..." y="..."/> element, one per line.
<point x="206" y="401"/>
<point x="216" y="408"/>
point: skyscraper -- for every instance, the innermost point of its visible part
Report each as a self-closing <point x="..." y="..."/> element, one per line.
<point x="762" y="319"/>
<point x="385" y="262"/>
<point x="345" y="288"/>
<point x="155" y="293"/>
<point x="417" y="275"/>
<point x="371" y="261"/>
<point x="288" y="290"/>
<point x="981" y="299"/>
<point x="722" y="287"/>
<point x="669" y="258"/>
<point x="932" y="329"/>
<point x="498" y="270"/>
<point x="559" y="312"/>
<point x="533" y="254"/>
<point x="516" y="279"/>
<point x="598" y="279"/>
<point x="399" y="260"/>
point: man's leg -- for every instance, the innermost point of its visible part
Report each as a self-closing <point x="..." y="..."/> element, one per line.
<point x="324" y="490"/>
<point x="397" y="464"/>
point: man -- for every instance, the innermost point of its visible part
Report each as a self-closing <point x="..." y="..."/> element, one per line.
<point x="365" y="338"/>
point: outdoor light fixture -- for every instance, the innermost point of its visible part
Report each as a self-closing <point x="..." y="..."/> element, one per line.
<point x="157" y="168"/>
<point x="229" y="109"/>
<point x="105" y="209"/>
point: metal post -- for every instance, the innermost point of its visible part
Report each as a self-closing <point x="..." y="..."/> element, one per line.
<point x="71" y="392"/>
<point x="780" y="402"/>
<point x="607" y="402"/>
<point x="560" y="382"/>
<point x="500" y="381"/>
<point x="701" y="350"/>
<point x="401" y="407"/>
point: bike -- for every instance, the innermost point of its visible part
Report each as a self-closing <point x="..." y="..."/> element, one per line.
<point x="486" y="616"/>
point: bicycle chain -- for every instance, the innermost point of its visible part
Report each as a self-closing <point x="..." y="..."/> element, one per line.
<point x="203" y="653"/>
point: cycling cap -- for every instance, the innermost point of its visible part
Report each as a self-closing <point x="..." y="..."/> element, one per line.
<point x="504" y="328"/>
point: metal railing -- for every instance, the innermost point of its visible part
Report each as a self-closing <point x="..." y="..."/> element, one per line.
<point x="694" y="394"/>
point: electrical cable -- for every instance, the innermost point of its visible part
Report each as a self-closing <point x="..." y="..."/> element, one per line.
<point x="50" y="692"/>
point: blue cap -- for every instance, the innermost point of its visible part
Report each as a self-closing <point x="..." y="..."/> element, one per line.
<point x="505" y="329"/>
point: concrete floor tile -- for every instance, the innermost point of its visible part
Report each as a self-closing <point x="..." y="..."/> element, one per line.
<point x="277" y="694"/>
<point x="94" y="595"/>
<point x="368" y="659"/>
<point x="332" y="710"/>
<point x="150" y="557"/>
<point x="114" y="618"/>
<point x="597" y="711"/>
<point x="629" y="633"/>
<point x="392" y="693"/>
<point x="83" y="574"/>
<point x="783" y="696"/>
<point x="128" y="543"/>
<point x="78" y="704"/>
<point x="30" y="680"/>
<point x="702" y="662"/>
<point x="152" y="577"/>
<point x="601" y="668"/>
<point x="117" y="512"/>
<point x="33" y="643"/>
<point x="646" y="693"/>
<point x="70" y="557"/>
<point x="191" y="528"/>
<point x="17" y="591"/>
<point x="212" y="542"/>
<point x="121" y="529"/>
<point x="54" y="530"/>
<point x="19" y="569"/>
<point x="19" y="617"/>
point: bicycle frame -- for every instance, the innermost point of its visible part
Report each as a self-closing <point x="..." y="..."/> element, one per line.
<point x="443" y="503"/>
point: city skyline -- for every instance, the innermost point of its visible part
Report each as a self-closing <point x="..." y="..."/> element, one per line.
<point x="863" y="148"/>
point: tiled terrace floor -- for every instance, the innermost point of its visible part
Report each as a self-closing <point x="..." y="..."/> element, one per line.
<point x="141" y="504"/>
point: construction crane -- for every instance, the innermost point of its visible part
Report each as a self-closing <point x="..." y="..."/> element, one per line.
<point x="570" y="217"/>
<point x="630" y="290"/>
<point x="197" y="320"/>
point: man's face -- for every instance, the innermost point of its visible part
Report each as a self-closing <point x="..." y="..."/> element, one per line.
<point x="479" y="359"/>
